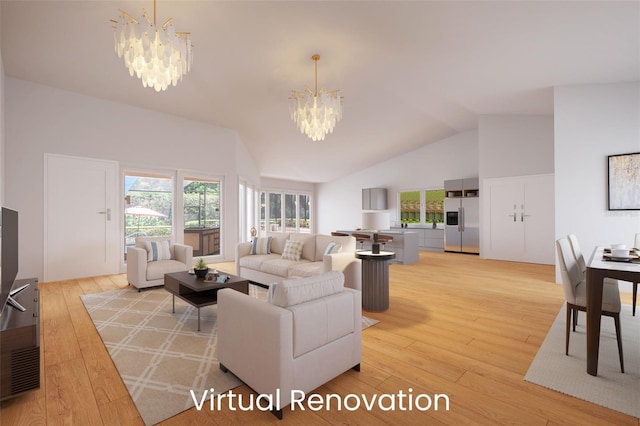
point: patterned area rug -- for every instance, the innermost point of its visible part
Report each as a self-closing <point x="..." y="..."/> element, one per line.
<point x="160" y="355"/>
<point x="551" y="368"/>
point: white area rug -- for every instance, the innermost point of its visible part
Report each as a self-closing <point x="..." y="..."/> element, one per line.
<point x="160" y="355"/>
<point x="551" y="368"/>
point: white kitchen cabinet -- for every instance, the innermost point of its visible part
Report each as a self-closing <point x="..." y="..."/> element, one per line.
<point x="520" y="215"/>
<point x="374" y="199"/>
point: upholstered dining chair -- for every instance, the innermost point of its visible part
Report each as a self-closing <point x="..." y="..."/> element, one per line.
<point x="575" y="292"/>
<point x="636" y="245"/>
<point x="577" y="253"/>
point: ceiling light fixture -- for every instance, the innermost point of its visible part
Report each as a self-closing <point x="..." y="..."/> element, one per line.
<point x="157" y="56"/>
<point x="315" y="112"/>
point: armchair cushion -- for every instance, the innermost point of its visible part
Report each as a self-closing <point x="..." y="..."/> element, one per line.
<point x="299" y="290"/>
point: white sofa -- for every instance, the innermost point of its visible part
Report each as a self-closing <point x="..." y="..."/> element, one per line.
<point x="269" y="268"/>
<point x="309" y="333"/>
<point x="142" y="273"/>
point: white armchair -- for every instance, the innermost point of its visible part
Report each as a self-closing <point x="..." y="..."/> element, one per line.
<point x="310" y="333"/>
<point x="152" y="257"/>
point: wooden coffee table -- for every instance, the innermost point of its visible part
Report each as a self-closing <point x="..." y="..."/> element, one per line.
<point x="196" y="292"/>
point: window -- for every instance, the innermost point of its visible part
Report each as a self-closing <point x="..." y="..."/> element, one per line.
<point x="263" y="212"/>
<point x="304" y="216"/>
<point x="246" y="210"/>
<point x="410" y="207"/>
<point x="295" y="214"/>
<point x="148" y="207"/>
<point x="434" y="205"/>
<point x="201" y="213"/>
<point x="275" y="212"/>
<point x="422" y="207"/>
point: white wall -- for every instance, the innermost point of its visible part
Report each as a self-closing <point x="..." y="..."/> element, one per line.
<point x="340" y="201"/>
<point x="42" y="119"/>
<point x="509" y="146"/>
<point x="515" y="145"/>
<point x="592" y="122"/>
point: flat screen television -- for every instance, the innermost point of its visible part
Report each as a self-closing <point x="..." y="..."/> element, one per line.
<point x="8" y="255"/>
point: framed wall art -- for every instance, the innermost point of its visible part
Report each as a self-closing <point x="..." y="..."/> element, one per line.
<point x="624" y="181"/>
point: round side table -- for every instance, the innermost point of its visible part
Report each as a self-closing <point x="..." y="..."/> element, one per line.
<point x="375" y="279"/>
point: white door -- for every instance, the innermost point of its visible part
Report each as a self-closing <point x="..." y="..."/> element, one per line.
<point x="539" y="219"/>
<point x="506" y="228"/>
<point x="80" y="218"/>
<point x="521" y="218"/>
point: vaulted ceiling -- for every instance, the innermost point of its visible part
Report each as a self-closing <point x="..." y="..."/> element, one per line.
<point x="411" y="73"/>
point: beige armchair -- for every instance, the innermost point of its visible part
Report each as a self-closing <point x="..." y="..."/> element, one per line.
<point x="309" y="333"/>
<point x="152" y="257"/>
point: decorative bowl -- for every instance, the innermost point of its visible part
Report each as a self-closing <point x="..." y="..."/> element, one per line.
<point x="201" y="273"/>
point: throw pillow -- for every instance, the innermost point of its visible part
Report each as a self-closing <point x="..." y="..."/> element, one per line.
<point x="158" y="250"/>
<point x="261" y="245"/>
<point x="292" y="250"/>
<point x="332" y="248"/>
<point x="271" y="292"/>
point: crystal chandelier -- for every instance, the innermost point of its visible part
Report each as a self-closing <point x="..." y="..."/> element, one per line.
<point x="315" y="112"/>
<point x="157" y="56"/>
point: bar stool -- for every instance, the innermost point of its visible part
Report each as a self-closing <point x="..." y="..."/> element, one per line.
<point x="384" y="239"/>
<point x="361" y="238"/>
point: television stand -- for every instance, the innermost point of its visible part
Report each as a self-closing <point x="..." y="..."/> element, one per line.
<point x="12" y="302"/>
<point x="20" y="341"/>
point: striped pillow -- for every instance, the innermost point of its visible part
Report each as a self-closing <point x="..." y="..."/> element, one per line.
<point x="332" y="248"/>
<point x="261" y="245"/>
<point x="292" y="250"/>
<point x="158" y="250"/>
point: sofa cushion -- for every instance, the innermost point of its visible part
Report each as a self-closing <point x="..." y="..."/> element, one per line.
<point x="254" y="262"/>
<point x="305" y="269"/>
<point x="299" y="290"/>
<point x="279" y="266"/>
<point x="156" y="270"/>
<point x="278" y="240"/>
<point x="261" y="245"/>
<point x="308" y="245"/>
<point x="292" y="250"/>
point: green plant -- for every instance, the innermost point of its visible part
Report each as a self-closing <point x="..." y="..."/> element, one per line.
<point x="201" y="264"/>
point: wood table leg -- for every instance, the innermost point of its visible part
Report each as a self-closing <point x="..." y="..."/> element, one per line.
<point x="595" y="282"/>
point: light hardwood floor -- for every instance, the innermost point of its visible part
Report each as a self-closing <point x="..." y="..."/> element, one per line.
<point x="457" y="325"/>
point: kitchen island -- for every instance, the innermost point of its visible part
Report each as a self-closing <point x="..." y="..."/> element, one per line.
<point x="404" y="244"/>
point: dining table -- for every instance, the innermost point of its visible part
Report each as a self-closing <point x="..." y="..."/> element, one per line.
<point x="598" y="269"/>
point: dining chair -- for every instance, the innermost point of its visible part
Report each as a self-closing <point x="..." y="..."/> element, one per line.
<point x="577" y="253"/>
<point x="575" y="293"/>
<point x="636" y="245"/>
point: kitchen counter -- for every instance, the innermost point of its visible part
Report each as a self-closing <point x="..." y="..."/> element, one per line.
<point x="404" y="244"/>
<point x="428" y="238"/>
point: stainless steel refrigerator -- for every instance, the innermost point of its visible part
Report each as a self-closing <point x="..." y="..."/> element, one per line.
<point x="462" y="224"/>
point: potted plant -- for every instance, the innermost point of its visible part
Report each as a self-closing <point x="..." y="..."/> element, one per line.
<point x="201" y="269"/>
